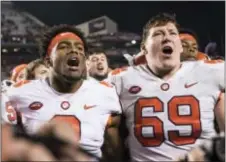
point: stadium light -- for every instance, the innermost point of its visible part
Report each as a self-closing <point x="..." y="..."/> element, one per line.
<point x="4" y="50"/>
<point x="133" y="42"/>
<point x="16" y="49"/>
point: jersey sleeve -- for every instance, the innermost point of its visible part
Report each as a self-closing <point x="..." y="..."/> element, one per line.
<point x="113" y="102"/>
<point x="221" y="76"/>
<point x="11" y="103"/>
<point x="218" y="74"/>
<point x="8" y="109"/>
<point x="116" y="81"/>
<point x="115" y="78"/>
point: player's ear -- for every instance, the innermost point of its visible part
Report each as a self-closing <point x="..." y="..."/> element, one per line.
<point x="87" y="64"/>
<point x="181" y="48"/>
<point x="143" y="48"/>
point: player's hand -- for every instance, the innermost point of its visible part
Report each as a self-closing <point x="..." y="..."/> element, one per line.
<point x="64" y="132"/>
<point x="14" y="149"/>
<point x="212" y="150"/>
<point x="195" y="155"/>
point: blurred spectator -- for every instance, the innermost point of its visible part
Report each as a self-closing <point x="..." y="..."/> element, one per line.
<point x="36" y="70"/>
<point x="212" y="50"/>
<point x="18" y="73"/>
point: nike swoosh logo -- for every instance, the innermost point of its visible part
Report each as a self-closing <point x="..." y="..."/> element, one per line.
<point x="190" y="85"/>
<point x="89" y="107"/>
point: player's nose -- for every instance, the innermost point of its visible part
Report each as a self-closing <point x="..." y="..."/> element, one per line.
<point x="191" y="50"/>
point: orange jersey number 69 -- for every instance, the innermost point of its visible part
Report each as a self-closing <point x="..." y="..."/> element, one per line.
<point x="173" y="116"/>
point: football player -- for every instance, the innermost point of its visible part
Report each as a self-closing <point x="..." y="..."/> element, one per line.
<point x="169" y="105"/>
<point x="66" y="95"/>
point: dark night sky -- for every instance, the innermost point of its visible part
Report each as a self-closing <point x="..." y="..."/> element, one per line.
<point x="207" y="19"/>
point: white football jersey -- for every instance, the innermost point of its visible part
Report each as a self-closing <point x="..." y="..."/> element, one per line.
<point x="167" y="118"/>
<point x="88" y="109"/>
<point x="6" y="84"/>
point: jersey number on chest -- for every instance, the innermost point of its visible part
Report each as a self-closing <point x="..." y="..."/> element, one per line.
<point x="72" y="120"/>
<point x="193" y="120"/>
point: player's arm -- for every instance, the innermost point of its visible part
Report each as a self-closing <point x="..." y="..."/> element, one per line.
<point x="112" y="145"/>
<point x="219" y="112"/>
<point x="219" y="108"/>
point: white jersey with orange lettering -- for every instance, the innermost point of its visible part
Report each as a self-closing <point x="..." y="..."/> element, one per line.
<point x="88" y="110"/>
<point x="167" y="118"/>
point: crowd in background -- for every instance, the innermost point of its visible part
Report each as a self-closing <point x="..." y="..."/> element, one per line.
<point x="18" y="29"/>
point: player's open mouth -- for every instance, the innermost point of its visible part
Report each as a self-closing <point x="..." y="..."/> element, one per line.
<point x="167" y="50"/>
<point x="100" y="67"/>
<point x="73" y="61"/>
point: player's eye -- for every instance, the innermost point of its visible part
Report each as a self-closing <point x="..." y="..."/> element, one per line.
<point x="156" y="34"/>
<point x="62" y="46"/>
<point x="173" y="33"/>
<point x="80" y="48"/>
<point x="94" y="59"/>
<point x="184" y="45"/>
<point x="43" y="72"/>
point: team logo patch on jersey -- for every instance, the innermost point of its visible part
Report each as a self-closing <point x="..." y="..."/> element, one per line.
<point x="135" y="89"/>
<point x="65" y="105"/>
<point x="35" y="105"/>
<point x="165" y="86"/>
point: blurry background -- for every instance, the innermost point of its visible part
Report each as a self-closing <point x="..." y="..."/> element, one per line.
<point x="115" y="27"/>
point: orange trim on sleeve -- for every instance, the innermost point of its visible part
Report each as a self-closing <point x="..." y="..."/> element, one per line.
<point x="118" y="70"/>
<point x="213" y="61"/>
<point x="106" y="84"/>
<point x="202" y="56"/>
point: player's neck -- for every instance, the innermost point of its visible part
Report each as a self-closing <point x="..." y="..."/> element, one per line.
<point x="60" y="85"/>
<point x="164" y="74"/>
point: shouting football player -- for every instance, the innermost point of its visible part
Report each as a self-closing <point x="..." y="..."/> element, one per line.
<point x="66" y="95"/>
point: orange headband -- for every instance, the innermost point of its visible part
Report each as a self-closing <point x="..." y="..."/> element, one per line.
<point x="187" y="37"/>
<point x="59" y="37"/>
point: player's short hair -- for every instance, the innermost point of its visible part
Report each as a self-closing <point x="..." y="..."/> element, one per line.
<point x="95" y="51"/>
<point x="51" y="32"/>
<point x="31" y="67"/>
<point x="160" y="19"/>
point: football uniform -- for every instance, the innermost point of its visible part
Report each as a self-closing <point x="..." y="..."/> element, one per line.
<point x="88" y="110"/>
<point x="166" y="119"/>
<point x="6" y="84"/>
